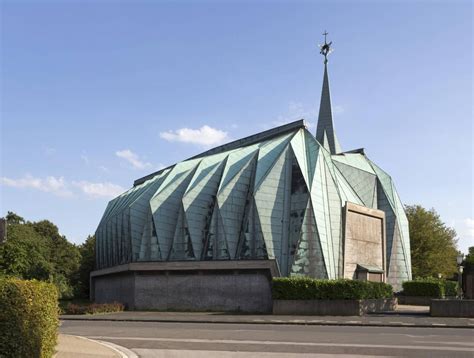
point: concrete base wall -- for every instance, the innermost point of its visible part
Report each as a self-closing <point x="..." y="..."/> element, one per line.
<point x="452" y="308"/>
<point x="414" y="300"/>
<point x="378" y="305"/>
<point x="332" y="307"/>
<point x="240" y="289"/>
<point x="119" y="288"/>
<point x="246" y="292"/>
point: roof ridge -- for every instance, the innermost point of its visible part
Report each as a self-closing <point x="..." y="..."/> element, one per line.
<point x="243" y="142"/>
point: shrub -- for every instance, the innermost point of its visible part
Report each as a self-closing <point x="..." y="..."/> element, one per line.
<point x="28" y="318"/>
<point x="426" y="287"/>
<point x="430" y="287"/>
<point x="306" y="288"/>
<point x="450" y="288"/>
<point x="65" y="290"/>
<point x="94" y="308"/>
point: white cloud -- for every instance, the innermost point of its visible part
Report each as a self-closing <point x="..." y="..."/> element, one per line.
<point x="205" y="136"/>
<point x="469" y="223"/>
<point x="49" y="184"/>
<point x="99" y="190"/>
<point x="296" y="111"/>
<point x="337" y="110"/>
<point x="132" y="158"/>
<point x="465" y="233"/>
<point x="60" y="187"/>
<point x="49" y="151"/>
<point x="85" y="159"/>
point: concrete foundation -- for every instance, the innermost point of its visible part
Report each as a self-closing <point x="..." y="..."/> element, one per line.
<point x="452" y="308"/>
<point x="188" y="286"/>
<point x="333" y="307"/>
<point x="414" y="300"/>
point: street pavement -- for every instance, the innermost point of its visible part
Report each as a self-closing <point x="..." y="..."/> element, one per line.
<point x="184" y="339"/>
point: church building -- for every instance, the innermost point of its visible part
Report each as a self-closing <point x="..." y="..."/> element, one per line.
<point x="208" y="233"/>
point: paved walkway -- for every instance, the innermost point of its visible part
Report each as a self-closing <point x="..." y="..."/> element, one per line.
<point x="413" y="316"/>
<point x="409" y="309"/>
<point x="80" y="347"/>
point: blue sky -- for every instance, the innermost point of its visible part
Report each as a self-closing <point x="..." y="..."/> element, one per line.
<point x="97" y="94"/>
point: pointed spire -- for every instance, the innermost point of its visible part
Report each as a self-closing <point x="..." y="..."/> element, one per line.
<point x="325" y="133"/>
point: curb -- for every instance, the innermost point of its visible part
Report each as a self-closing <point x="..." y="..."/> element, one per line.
<point x="122" y="351"/>
<point x="401" y="313"/>
<point x="278" y="322"/>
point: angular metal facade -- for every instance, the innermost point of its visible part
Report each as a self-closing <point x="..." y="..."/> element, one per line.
<point x="276" y="195"/>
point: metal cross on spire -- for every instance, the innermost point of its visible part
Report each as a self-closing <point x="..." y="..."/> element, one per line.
<point x="326" y="48"/>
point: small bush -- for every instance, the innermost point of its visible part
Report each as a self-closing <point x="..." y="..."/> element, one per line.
<point x="450" y="288"/>
<point x="78" y="301"/>
<point x="426" y="287"/>
<point x="430" y="287"/>
<point x="28" y="318"/>
<point x="94" y="308"/>
<point x="306" y="288"/>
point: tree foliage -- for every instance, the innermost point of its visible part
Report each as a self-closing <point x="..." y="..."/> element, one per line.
<point x="87" y="251"/>
<point x="25" y="254"/>
<point x="469" y="259"/>
<point x="64" y="256"/>
<point x="433" y="244"/>
<point x="36" y="250"/>
<point x="13" y="218"/>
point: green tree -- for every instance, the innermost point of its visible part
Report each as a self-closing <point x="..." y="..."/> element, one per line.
<point x="38" y="250"/>
<point x="64" y="256"/>
<point x="87" y="250"/>
<point x="13" y="218"/>
<point x="25" y="254"/>
<point x="433" y="244"/>
<point x="469" y="259"/>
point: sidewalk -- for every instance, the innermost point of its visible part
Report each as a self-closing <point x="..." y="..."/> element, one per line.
<point x="80" y="347"/>
<point x="411" y="316"/>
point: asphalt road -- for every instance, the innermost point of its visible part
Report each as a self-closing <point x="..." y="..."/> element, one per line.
<point x="158" y="339"/>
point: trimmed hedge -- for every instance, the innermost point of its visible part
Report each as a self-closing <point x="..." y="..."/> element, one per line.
<point x="429" y="287"/>
<point x="424" y="287"/>
<point x="28" y="318"/>
<point x="306" y="288"/>
<point x="94" y="308"/>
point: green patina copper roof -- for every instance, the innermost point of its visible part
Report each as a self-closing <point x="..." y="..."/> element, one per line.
<point x="325" y="133"/>
<point x="277" y="195"/>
